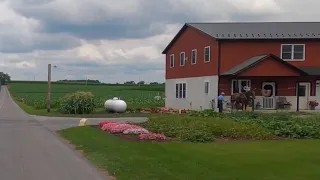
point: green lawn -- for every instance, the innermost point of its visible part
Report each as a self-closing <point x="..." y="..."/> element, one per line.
<point x="100" y="113"/>
<point x="267" y="160"/>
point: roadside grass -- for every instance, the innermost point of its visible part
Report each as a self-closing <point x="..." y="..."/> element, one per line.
<point x="99" y="113"/>
<point x="268" y="160"/>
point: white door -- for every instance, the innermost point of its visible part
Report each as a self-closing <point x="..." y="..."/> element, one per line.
<point x="304" y="94"/>
<point x="318" y="92"/>
<point x="269" y="101"/>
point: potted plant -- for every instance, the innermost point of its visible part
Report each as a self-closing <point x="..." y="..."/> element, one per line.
<point x="258" y="105"/>
<point x="313" y="104"/>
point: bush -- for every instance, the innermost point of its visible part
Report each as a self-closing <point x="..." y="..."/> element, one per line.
<point x="77" y="103"/>
<point x="290" y="125"/>
<point x="204" y="129"/>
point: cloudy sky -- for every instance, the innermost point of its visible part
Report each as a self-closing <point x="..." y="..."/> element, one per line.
<point x="116" y="40"/>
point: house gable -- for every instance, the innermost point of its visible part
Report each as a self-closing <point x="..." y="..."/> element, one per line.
<point x="181" y="31"/>
<point x="265" y="65"/>
<point x="188" y="41"/>
<point x="278" y="69"/>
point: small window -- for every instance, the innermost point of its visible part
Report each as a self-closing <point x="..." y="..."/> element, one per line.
<point x="194" y="56"/>
<point x="206" y="87"/>
<point x="182" y="59"/>
<point x="302" y="90"/>
<point x="171" y="60"/>
<point x="181" y="90"/>
<point x="292" y="51"/>
<point x="207" y="54"/>
<point x="238" y="86"/>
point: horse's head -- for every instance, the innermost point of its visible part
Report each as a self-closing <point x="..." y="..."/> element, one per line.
<point x="251" y="94"/>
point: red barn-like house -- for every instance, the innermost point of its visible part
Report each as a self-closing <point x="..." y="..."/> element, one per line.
<point x="204" y="59"/>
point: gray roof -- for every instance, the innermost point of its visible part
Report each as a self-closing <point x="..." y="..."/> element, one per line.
<point x="311" y="70"/>
<point x="245" y="64"/>
<point x="260" y="30"/>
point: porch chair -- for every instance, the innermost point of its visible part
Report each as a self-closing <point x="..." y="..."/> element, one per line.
<point x="282" y="103"/>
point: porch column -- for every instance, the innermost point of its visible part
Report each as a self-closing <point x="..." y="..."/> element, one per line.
<point x="297" y="94"/>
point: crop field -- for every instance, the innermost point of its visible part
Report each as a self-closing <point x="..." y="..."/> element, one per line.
<point x="35" y="94"/>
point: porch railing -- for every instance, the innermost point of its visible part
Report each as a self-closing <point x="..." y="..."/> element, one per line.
<point x="269" y="103"/>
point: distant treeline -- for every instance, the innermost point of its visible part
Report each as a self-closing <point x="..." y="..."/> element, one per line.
<point x="81" y="81"/>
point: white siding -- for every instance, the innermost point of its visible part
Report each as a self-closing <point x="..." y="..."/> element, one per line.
<point x="195" y="93"/>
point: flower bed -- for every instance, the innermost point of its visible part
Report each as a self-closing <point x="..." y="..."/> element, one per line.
<point x="130" y="132"/>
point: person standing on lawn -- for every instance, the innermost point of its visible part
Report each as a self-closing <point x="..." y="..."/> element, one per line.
<point x="220" y="102"/>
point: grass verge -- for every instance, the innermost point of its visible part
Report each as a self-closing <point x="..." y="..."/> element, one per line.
<point x="268" y="160"/>
<point x="99" y="113"/>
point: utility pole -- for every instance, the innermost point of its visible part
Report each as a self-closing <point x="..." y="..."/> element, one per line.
<point x="49" y="89"/>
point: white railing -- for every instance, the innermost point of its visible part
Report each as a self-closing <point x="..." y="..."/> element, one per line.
<point x="269" y="103"/>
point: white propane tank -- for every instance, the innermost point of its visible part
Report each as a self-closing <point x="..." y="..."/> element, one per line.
<point x="119" y="106"/>
<point x="115" y="105"/>
<point x="108" y="104"/>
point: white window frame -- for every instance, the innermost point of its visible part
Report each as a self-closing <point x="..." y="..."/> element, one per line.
<point x="205" y="90"/>
<point x="184" y="59"/>
<point x="204" y="56"/>
<point x="171" y="60"/>
<point x="292" y="52"/>
<point x="239" y="84"/>
<point x="195" y="57"/>
<point x="179" y="92"/>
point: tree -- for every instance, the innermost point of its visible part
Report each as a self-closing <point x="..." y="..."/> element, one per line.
<point x="130" y="82"/>
<point x="141" y="82"/>
<point x="153" y="83"/>
<point x="4" y="78"/>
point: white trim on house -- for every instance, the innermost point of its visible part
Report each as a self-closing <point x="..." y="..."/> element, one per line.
<point x="239" y="84"/>
<point x="181" y="94"/>
<point x="196" y="54"/>
<point x="292" y="52"/>
<point x="204" y="56"/>
<point x="269" y="102"/>
<point x="182" y="62"/>
<point x="172" y="61"/>
<point x="304" y="100"/>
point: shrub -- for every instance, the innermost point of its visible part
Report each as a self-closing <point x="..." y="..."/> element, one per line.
<point x="204" y="129"/>
<point x="290" y="125"/>
<point x="78" y="103"/>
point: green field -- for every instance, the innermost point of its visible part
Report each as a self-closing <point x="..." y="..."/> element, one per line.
<point x="35" y="94"/>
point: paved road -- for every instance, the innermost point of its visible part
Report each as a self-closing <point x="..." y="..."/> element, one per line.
<point x="29" y="150"/>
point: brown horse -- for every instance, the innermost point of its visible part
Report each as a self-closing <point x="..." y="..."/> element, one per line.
<point x="244" y="98"/>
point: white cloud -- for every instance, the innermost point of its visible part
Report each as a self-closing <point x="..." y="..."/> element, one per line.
<point x="25" y="65"/>
<point x="22" y="29"/>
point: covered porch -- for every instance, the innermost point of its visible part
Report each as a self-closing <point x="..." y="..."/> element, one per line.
<point x="283" y="91"/>
<point x="276" y="83"/>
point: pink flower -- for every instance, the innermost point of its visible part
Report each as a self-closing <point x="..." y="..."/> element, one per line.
<point x="135" y="130"/>
<point x="117" y="127"/>
<point x="105" y="122"/>
<point x="152" y="136"/>
<point x="108" y="126"/>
